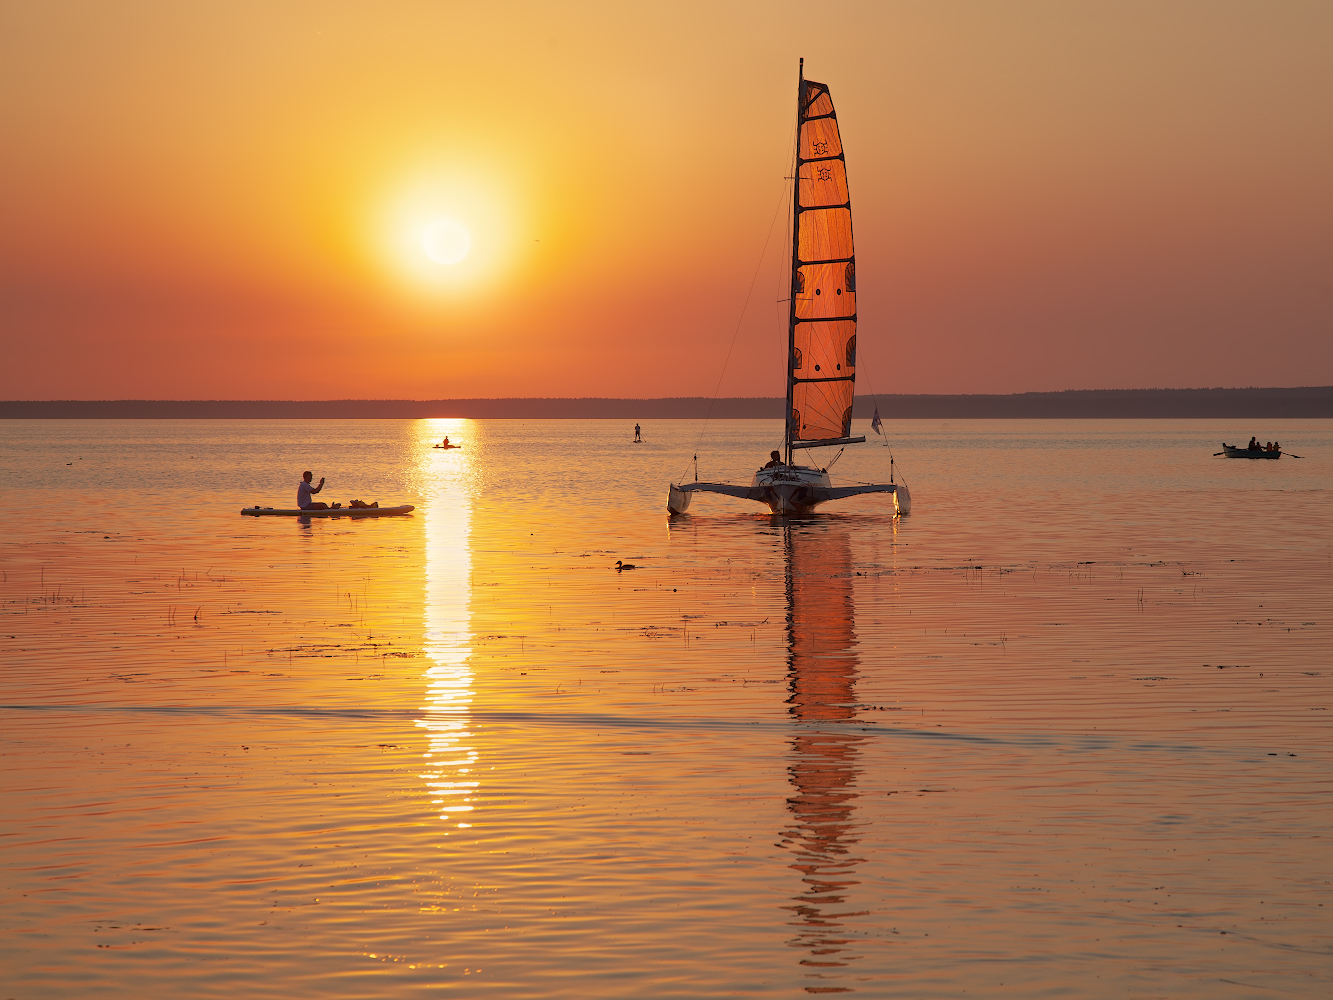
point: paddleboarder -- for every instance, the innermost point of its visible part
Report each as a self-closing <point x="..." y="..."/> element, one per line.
<point x="304" y="491"/>
<point x="637" y="437"/>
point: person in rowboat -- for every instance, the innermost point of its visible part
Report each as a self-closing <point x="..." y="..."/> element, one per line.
<point x="304" y="491"/>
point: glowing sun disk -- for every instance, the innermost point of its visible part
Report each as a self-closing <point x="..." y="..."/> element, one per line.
<point x="446" y="241"/>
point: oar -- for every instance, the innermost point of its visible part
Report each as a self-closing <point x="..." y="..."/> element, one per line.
<point x="1290" y="455"/>
<point x="1216" y="453"/>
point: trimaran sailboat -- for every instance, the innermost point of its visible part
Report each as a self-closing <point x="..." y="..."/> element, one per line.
<point x="821" y="331"/>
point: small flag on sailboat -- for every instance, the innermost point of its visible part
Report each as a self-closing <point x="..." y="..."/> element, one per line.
<point x="875" y="424"/>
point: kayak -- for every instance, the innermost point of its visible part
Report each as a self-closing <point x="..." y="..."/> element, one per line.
<point x="406" y="508"/>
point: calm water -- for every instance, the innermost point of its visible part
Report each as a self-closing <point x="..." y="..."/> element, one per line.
<point x="1061" y="732"/>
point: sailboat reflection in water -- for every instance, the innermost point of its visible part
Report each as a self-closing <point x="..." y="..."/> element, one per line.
<point x="451" y="763"/>
<point x="822" y="670"/>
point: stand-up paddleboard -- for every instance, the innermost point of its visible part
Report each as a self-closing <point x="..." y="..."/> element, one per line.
<point x="446" y="447"/>
<point x="406" y="508"/>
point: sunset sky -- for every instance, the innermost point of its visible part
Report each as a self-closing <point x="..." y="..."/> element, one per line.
<point x="237" y="200"/>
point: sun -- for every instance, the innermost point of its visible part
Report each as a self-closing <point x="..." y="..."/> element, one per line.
<point x="446" y="241"/>
<point x="444" y="235"/>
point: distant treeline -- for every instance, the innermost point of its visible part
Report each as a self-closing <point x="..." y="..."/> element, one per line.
<point x="1313" y="401"/>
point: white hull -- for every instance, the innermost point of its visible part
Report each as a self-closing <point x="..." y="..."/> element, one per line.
<point x="789" y="489"/>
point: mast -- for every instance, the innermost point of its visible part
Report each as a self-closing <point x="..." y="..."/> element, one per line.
<point x="795" y="259"/>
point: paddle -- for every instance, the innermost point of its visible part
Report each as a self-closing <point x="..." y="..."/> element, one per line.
<point x="1290" y="455"/>
<point x="1216" y="453"/>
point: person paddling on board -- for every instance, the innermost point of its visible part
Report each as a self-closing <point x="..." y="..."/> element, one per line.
<point x="304" y="490"/>
<point x="637" y="437"/>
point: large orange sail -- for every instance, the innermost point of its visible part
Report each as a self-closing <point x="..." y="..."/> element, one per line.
<point x="822" y="332"/>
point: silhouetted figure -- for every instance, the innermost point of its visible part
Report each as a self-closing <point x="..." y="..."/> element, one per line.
<point x="775" y="459"/>
<point x="637" y="437"/>
<point x="304" y="491"/>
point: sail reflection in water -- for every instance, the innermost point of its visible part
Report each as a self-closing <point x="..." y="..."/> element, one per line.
<point x="822" y="663"/>
<point x="451" y="760"/>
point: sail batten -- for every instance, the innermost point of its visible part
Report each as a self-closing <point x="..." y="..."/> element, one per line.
<point x="822" y="331"/>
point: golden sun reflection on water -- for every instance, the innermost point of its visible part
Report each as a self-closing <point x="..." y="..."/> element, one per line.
<point x="451" y="761"/>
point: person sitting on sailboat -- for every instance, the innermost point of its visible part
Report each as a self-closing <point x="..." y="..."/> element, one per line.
<point x="775" y="459"/>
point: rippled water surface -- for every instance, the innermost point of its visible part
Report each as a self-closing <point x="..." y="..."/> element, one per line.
<point x="1061" y="732"/>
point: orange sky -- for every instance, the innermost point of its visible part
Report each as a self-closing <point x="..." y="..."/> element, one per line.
<point x="227" y="200"/>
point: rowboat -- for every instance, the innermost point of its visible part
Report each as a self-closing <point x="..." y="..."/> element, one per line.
<point x="1231" y="451"/>
<point x="405" y="508"/>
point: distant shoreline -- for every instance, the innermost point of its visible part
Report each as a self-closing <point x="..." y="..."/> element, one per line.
<point x="1303" y="402"/>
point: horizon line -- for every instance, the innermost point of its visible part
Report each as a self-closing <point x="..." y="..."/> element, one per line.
<point x="1297" y="402"/>
<point x="650" y="399"/>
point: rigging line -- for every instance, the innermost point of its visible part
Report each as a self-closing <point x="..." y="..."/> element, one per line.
<point x="782" y="197"/>
<point x="874" y="397"/>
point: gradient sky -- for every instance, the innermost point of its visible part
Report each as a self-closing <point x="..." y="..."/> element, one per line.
<point x="227" y="200"/>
